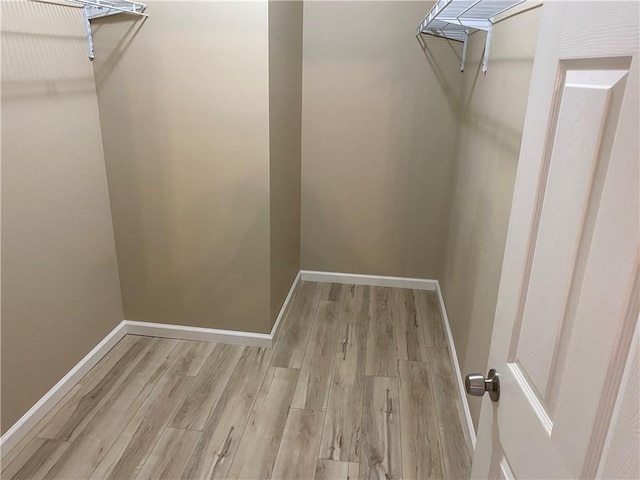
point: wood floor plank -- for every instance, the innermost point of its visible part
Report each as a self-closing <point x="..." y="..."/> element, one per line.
<point x="331" y="470"/>
<point x="129" y="452"/>
<point x="381" y="455"/>
<point x="191" y="357"/>
<point x="290" y="347"/>
<point x="156" y="361"/>
<point x="453" y="434"/>
<point x="381" y="345"/>
<point x="10" y="456"/>
<point x="359" y="304"/>
<point x="381" y="414"/>
<point x="429" y="312"/>
<point x="354" y="469"/>
<point x="312" y="391"/>
<point x="77" y="412"/>
<point x="137" y="359"/>
<point x="98" y="375"/>
<point x="343" y="421"/>
<point x="334" y="470"/>
<point x="410" y="336"/>
<point x="221" y="435"/>
<point x="91" y="445"/>
<point x="100" y="370"/>
<point x="260" y="441"/>
<point x="11" y="464"/>
<point x="169" y="457"/>
<point x="421" y="449"/>
<point x="35" y="460"/>
<point x="298" y="453"/>
<point x="333" y="292"/>
<point x="207" y="387"/>
<point x="95" y="436"/>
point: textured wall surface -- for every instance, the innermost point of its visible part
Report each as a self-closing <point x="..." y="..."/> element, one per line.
<point x="60" y="292"/>
<point x="378" y="135"/>
<point x="184" y="108"/>
<point x="285" y="123"/>
<point x="488" y="144"/>
<point x="243" y="141"/>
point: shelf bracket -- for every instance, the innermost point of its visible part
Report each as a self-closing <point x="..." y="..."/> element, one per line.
<point x="103" y="8"/>
<point x="485" y="58"/>
<point x="87" y="28"/>
<point x="464" y="53"/>
<point x="457" y="19"/>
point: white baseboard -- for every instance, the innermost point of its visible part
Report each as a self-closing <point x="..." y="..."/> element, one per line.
<point x="373" y="280"/>
<point x="456" y="369"/>
<point x="200" y="334"/>
<point x="285" y="304"/>
<point x="59" y="390"/>
<point x="214" y="335"/>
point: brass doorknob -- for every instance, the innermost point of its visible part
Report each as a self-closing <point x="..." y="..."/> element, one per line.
<point x="477" y="385"/>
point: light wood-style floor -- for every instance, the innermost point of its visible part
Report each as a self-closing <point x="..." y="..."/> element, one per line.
<point x="358" y="385"/>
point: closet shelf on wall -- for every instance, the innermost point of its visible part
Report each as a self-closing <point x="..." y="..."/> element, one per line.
<point x="104" y="8"/>
<point x="457" y="19"/>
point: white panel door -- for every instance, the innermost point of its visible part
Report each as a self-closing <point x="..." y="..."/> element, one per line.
<point x="568" y="298"/>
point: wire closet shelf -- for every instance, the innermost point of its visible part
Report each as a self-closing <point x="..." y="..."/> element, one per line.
<point x="104" y="8"/>
<point x="457" y="19"/>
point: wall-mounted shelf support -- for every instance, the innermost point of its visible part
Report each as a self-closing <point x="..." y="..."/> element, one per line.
<point x="457" y="19"/>
<point x="87" y="31"/>
<point x="464" y="53"/>
<point x="103" y="8"/>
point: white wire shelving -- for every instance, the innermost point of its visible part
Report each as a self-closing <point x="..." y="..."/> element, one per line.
<point x="104" y="8"/>
<point x="457" y="19"/>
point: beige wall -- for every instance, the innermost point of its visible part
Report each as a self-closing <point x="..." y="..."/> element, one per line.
<point x="378" y="137"/>
<point x="285" y="111"/>
<point x="60" y="293"/>
<point x="488" y="145"/>
<point x="200" y="108"/>
<point x="184" y="108"/>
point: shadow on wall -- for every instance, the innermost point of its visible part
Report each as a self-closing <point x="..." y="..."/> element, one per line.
<point x="40" y="50"/>
<point x="489" y="122"/>
<point x="41" y="44"/>
<point x="433" y="48"/>
<point x="130" y="26"/>
<point x="492" y="113"/>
